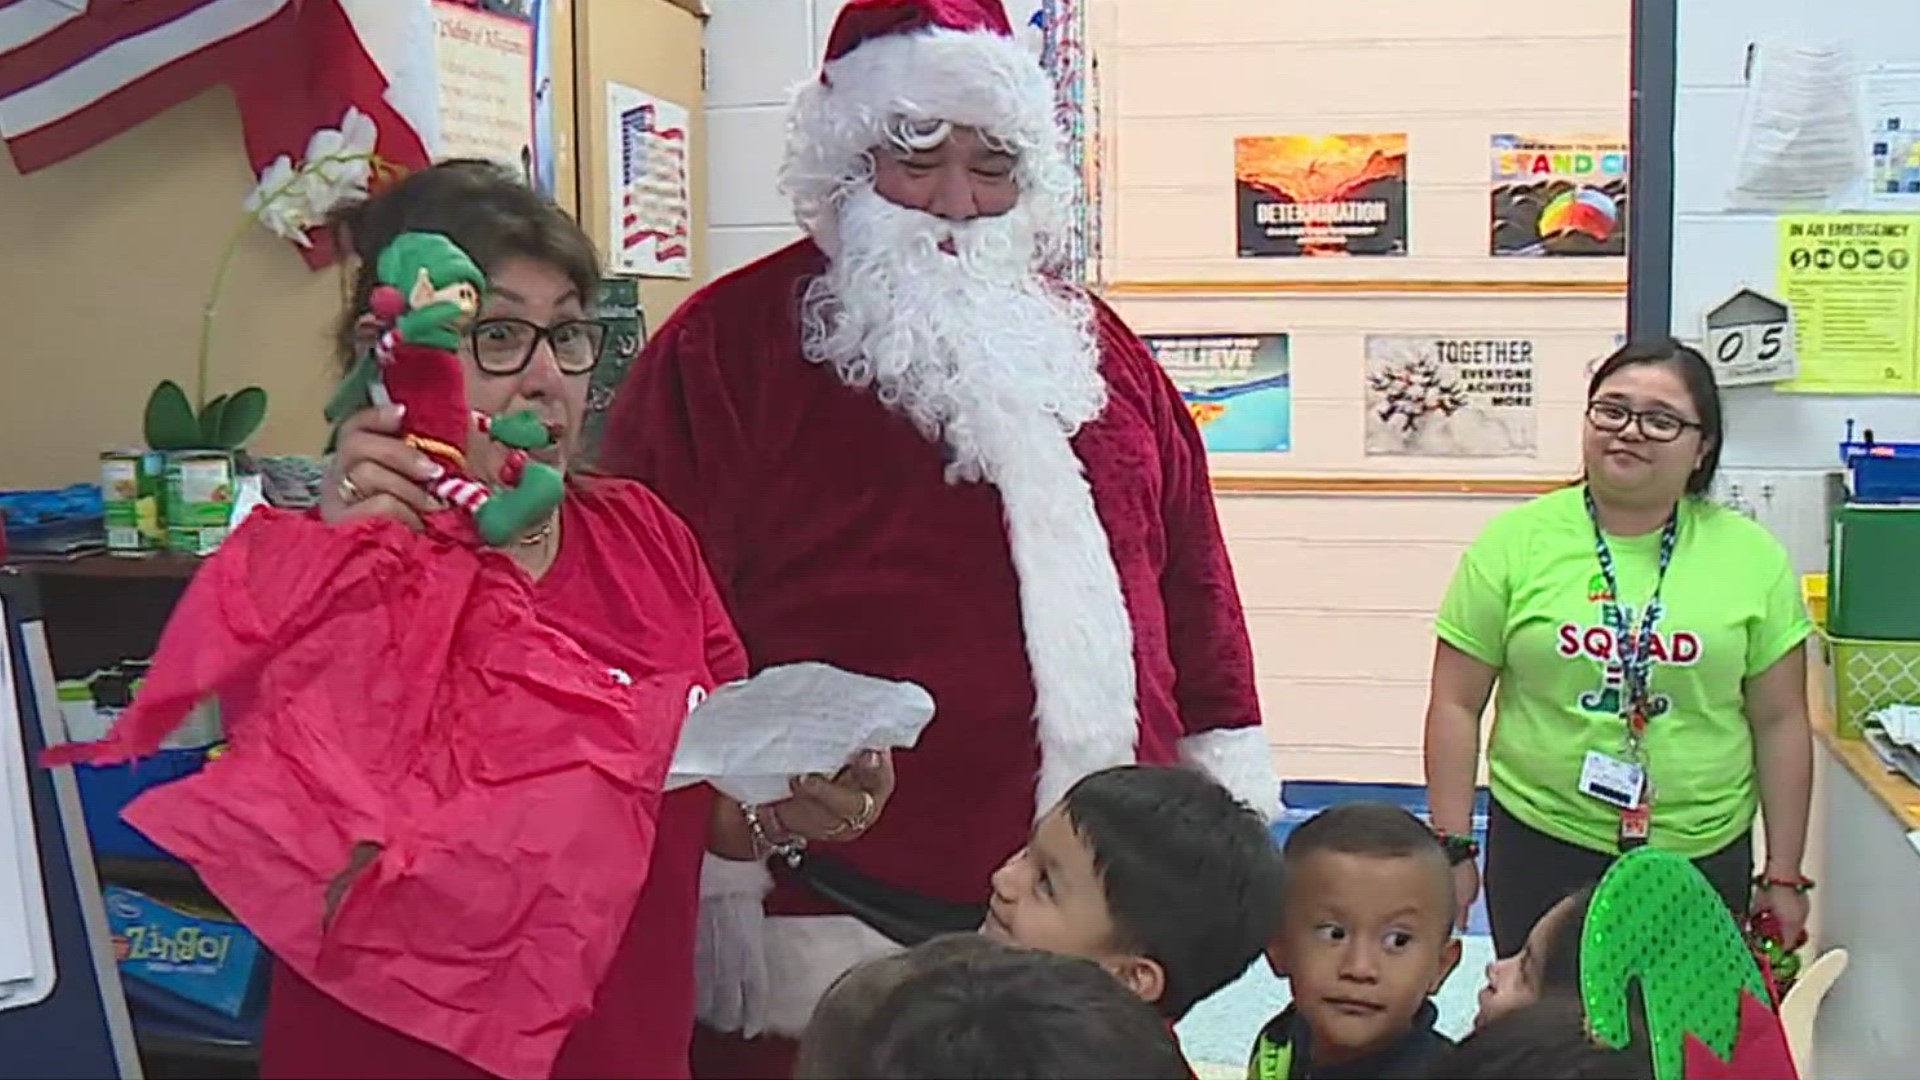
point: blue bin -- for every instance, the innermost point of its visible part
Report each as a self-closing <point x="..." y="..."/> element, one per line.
<point x="106" y="789"/>
<point x="1882" y="472"/>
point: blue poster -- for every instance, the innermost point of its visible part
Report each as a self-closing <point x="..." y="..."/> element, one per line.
<point x="1239" y="388"/>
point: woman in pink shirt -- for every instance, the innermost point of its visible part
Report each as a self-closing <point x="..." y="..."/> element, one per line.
<point x="614" y="569"/>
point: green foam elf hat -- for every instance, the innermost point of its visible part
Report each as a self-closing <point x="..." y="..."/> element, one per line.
<point x="1655" y="922"/>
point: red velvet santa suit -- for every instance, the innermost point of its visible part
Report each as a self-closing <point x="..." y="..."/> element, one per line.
<point x="1075" y="611"/>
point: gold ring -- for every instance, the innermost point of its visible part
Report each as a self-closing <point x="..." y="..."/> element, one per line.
<point x="350" y="492"/>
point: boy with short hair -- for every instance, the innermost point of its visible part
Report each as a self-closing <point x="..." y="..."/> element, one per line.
<point x="1365" y="939"/>
<point x="1157" y="873"/>
<point x="950" y="1011"/>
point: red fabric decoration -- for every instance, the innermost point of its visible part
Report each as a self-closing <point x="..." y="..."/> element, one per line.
<point x="863" y="20"/>
<point x="322" y="69"/>
<point x="1760" y="1052"/>
<point x="399" y="689"/>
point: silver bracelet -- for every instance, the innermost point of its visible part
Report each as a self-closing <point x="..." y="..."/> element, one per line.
<point x="764" y="845"/>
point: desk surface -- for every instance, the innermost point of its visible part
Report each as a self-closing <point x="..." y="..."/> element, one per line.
<point x="1901" y="799"/>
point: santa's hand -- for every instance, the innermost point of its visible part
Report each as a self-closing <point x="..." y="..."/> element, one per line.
<point x="376" y="474"/>
<point x="840" y="808"/>
<point x="730" y="960"/>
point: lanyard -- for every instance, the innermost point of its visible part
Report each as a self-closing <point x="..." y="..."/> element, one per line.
<point x="1271" y="1061"/>
<point x="1634" y="648"/>
<point x="1635" y="652"/>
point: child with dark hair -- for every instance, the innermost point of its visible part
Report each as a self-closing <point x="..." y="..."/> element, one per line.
<point x="831" y="1045"/>
<point x="1010" y="1014"/>
<point x="1365" y="939"/>
<point x="1549" y="961"/>
<point x="1157" y="873"/>
<point x="1546" y="1039"/>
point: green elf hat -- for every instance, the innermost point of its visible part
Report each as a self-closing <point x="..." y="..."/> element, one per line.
<point x="1656" y="922"/>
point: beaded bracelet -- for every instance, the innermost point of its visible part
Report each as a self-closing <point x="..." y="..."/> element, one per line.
<point x="765" y="845"/>
<point x="1801" y="884"/>
<point x="1459" y="848"/>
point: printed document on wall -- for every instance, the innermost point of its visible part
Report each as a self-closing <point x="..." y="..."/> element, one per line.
<point x="1893" y="137"/>
<point x="1852" y="282"/>
<point x="649" y="159"/>
<point x="1800" y="132"/>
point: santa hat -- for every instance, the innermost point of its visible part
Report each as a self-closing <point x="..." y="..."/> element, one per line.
<point x="925" y="60"/>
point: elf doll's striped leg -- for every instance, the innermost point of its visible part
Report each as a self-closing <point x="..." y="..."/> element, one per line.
<point x="460" y="492"/>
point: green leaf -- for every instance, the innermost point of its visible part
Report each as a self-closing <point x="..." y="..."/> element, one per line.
<point x="170" y="423"/>
<point x="210" y="421"/>
<point x="245" y="411"/>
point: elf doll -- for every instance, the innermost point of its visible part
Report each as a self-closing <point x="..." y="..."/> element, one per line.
<point x="429" y="292"/>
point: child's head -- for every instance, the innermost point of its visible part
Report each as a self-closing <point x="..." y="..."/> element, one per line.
<point x="1549" y="961"/>
<point x="1013" y="1013"/>
<point x="1366" y="931"/>
<point x="832" y="1043"/>
<point x="1157" y="873"/>
<point x="1545" y="1039"/>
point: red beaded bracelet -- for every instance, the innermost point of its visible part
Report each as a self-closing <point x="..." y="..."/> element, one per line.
<point x="1801" y="883"/>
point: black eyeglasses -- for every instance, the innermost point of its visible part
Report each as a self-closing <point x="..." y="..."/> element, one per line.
<point x="1658" y="425"/>
<point x="506" y="346"/>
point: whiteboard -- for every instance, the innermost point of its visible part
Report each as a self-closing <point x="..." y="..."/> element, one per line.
<point x="1717" y="252"/>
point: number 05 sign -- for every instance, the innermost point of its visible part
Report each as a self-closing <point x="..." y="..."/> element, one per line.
<point x="1750" y="340"/>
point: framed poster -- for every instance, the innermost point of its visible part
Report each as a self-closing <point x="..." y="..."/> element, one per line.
<point x="1239" y="388"/>
<point x="1320" y="195"/>
<point x="1451" y="396"/>
<point x="1558" y="196"/>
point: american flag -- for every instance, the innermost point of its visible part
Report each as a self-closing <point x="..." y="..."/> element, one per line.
<point x="641" y="140"/>
<point x="75" y="73"/>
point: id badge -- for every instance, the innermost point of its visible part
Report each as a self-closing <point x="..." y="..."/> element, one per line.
<point x="1617" y="783"/>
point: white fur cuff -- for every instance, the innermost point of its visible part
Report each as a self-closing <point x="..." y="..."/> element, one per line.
<point x="729" y="878"/>
<point x="805" y="954"/>
<point x="1242" y="761"/>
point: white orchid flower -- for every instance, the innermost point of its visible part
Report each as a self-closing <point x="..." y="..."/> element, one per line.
<point x="276" y="204"/>
<point x="338" y="165"/>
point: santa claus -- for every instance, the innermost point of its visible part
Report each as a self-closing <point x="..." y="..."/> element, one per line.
<point x="909" y="451"/>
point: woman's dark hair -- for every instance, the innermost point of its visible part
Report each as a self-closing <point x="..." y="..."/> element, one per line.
<point x="485" y="208"/>
<point x="1548" y="1040"/>
<point x="1560" y="967"/>
<point x="1702" y="387"/>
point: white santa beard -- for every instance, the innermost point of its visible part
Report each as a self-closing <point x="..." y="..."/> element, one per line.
<point x="954" y="342"/>
<point x="977" y="349"/>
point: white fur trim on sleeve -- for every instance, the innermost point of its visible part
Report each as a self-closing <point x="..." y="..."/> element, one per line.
<point x="805" y="954"/>
<point x="726" y="879"/>
<point x="1242" y="761"/>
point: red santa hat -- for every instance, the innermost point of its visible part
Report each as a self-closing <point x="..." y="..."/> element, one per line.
<point x="922" y="60"/>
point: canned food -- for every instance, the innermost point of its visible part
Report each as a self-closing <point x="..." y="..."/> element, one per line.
<point x="130" y="488"/>
<point x="199" y="500"/>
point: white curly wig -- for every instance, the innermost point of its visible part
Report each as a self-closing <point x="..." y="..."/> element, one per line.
<point x="978" y="80"/>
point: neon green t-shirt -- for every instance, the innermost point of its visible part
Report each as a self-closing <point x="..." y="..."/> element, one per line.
<point x="1528" y="599"/>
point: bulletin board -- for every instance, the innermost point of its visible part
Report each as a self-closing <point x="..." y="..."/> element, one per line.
<point x="1825" y="226"/>
<point x="1362" y="282"/>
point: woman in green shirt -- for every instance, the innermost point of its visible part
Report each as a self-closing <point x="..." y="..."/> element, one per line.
<point x="1646" y="649"/>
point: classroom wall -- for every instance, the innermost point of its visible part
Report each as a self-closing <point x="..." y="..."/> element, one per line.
<point x="1340" y="589"/>
<point x="105" y="262"/>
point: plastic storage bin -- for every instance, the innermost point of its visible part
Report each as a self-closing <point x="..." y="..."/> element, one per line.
<point x="1880" y="472"/>
<point x="106" y="789"/>
<point x="1870" y="675"/>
